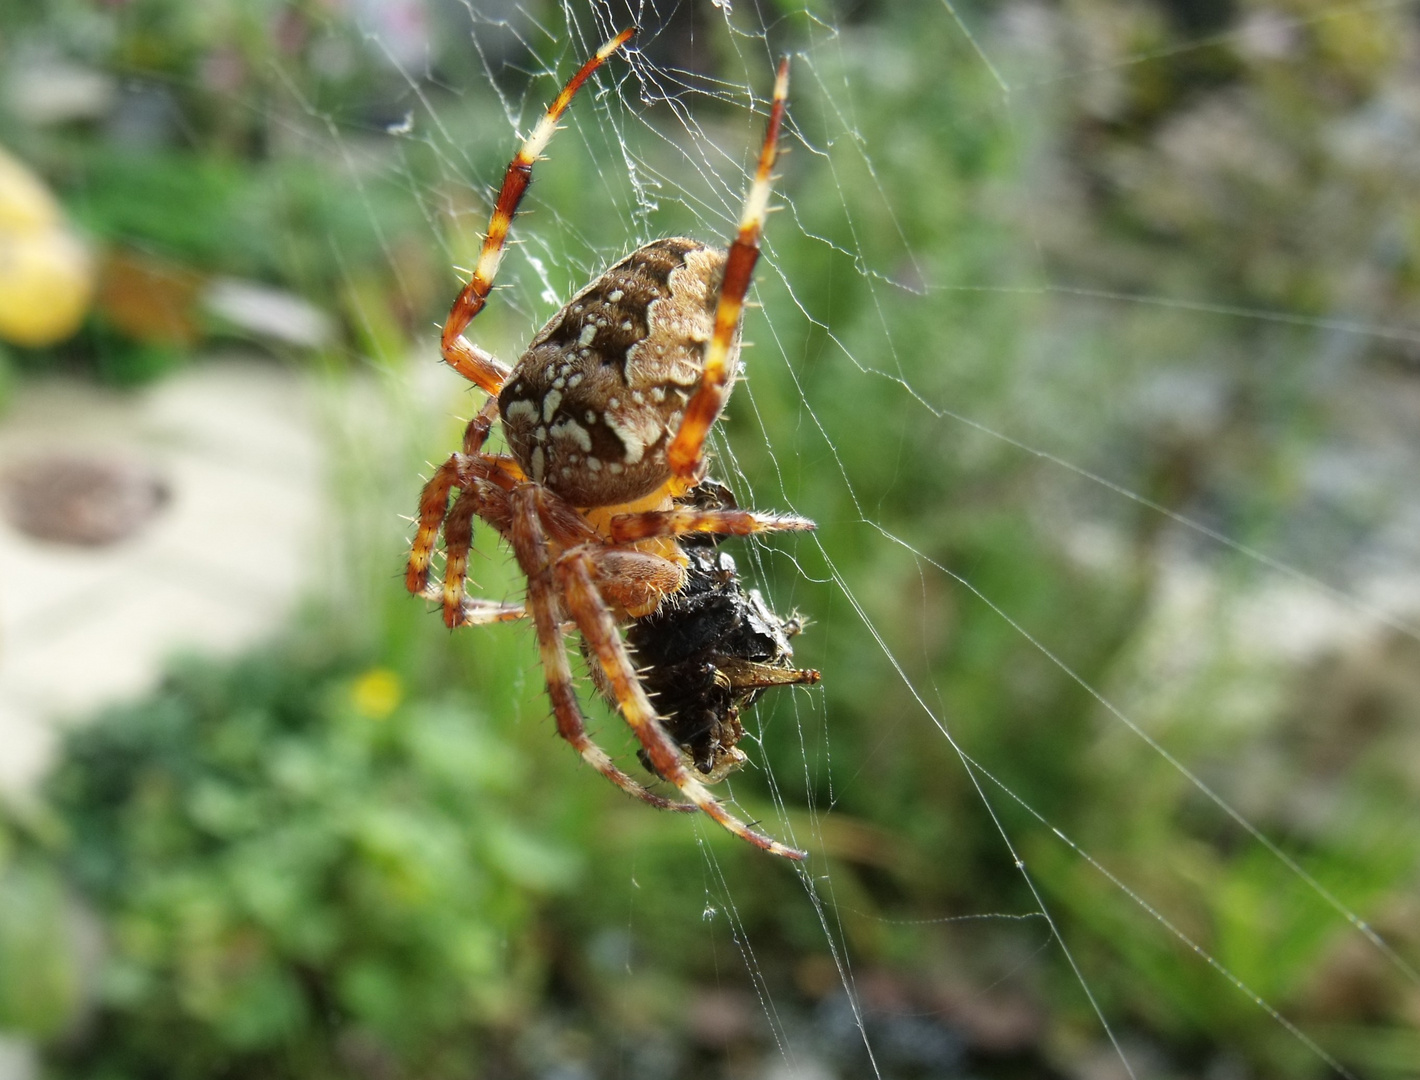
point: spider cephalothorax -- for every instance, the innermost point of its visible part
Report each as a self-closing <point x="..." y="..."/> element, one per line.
<point x="606" y="416"/>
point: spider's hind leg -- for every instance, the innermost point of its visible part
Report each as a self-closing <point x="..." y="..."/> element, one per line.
<point x="530" y="547"/>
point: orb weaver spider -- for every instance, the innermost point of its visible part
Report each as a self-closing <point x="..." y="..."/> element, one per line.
<point x="606" y="415"/>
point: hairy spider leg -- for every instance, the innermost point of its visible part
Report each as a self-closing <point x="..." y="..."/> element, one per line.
<point x="485" y="499"/>
<point x="479" y="499"/>
<point x="703" y="409"/>
<point x="479" y="611"/>
<point x="476" y="498"/>
<point x="458" y="471"/>
<point x="576" y="574"/>
<point x="476" y="434"/>
<point x="530" y="546"/>
<point x="463" y="356"/>
<point x="433" y="505"/>
<point x="684" y="521"/>
<point x="476" y="611"/>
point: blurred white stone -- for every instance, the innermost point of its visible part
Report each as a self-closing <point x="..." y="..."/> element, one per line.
<point x="48" y="90"/>
<point x="269" y="313"/>
<point x="18" y="1059"/>
<point x="219" y="567"/>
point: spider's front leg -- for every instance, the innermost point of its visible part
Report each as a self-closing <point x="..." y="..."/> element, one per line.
<point x="530" y="546"/>
<point x="703" y="409"/>
<point x="459" y="353"/>
<point x="683" y="521"/>
<point x="577" y="573"/>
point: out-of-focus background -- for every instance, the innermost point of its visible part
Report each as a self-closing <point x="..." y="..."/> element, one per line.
<point x="1088" y="333"/>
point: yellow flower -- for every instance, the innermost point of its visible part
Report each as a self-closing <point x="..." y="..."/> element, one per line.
<point x="377" y="693"/>
<point x="46" y="274"/>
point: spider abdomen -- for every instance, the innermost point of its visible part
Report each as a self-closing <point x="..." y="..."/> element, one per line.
<point x="594" y="401"/>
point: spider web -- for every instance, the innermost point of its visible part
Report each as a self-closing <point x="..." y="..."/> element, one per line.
<point x="1007" y="360"/>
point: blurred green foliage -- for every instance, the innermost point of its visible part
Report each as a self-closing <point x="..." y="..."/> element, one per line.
<point x="297" y="867"/>
<point x="296" y="880"/>
<point x="40" y="966"/>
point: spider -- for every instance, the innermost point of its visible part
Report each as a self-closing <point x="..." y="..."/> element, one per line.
<point x="606" y="415"/>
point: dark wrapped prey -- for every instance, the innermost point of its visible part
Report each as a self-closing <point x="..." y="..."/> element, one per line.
<point x="710" y="649"/>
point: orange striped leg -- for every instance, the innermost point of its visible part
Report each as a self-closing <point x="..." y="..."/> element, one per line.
<point x="458" y="525"/>
<point x="458" y="538"/>
<point x="463" y="356"/>
<point x="575" y="579"/>
<point x="473" y="363"/>
<point x="459" y="471"/>
<point x="628" y="528"/>
<point x="476" y="434"/>
<point x="433" y="504"/>
<point x="530" y="547"/>
<point x="478" y="611"/>
<point x="704" y="407"/>
<point x="479" y="498"/>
